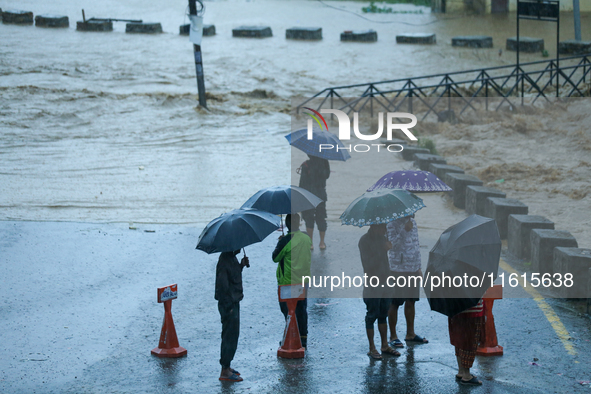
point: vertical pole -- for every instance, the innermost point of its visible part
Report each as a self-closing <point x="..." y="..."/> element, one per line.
<point x="518" y="45"/>
<point x="577" y="15"/>
<point x="198" y="61"/>
<point x="199" y="72"/>
<point x="557" y="50"/>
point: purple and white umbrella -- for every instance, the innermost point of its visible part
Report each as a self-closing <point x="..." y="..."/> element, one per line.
<point x="413" y="181"/>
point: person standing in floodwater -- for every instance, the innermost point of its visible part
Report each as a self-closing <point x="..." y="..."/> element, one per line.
<point x="313" y="175"/>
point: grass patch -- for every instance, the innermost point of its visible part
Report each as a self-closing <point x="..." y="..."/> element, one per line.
<point x="428" y="144"/>
<point x="374" y="9"/>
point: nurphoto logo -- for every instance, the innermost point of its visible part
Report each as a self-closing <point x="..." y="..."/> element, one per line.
<point x="345" y="129"/>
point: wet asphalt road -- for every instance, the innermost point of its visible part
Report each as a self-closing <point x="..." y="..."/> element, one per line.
<point x="80" y="315"/>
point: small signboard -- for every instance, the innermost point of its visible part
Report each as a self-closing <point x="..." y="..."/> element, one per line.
<point x="546" y="10"/>
<point x="290" y="292"/>
<point x="167" y="293"/>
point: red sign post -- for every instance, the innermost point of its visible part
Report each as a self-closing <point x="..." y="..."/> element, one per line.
<point x="292" y="344"/>
<point x="169" y="343"/>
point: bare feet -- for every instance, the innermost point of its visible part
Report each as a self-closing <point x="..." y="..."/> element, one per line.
<point x="322" y="246"/>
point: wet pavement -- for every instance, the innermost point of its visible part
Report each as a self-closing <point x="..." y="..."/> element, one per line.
<point x="80" y="315"/>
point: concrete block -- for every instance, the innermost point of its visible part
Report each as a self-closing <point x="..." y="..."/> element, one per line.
<point x="458" y="182"/>
<point x="143" y="28"/>
<point x="518" y="233"/>
<point x="94" y="26"/>
<point x="304" y="33"/>
<point x="17" y="17"/>
<point x="577" y="262"/>
<point x="526" y="44"/>
<point x="543" y="242"/>
<point x="252" y="32"/>
<point x="52" y="21"/>
<point x="472" y="41"/>
<point x="409" y="152"/>
<point x="359" y="36"/>
<point x="476" y="198"/>
<point x="441" y="169"/>
<point x="416" y="38"/>
<point x="499" y="209"/>
<point x="208" y="30"/>
<point x="574" y="47"/>
<point x="423" y="160"/>
<point x="185" y="30"/>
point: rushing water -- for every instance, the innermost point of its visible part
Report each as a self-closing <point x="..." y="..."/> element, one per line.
<point x="105" y="126"/>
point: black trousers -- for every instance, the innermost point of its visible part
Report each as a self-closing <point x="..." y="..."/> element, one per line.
<point x="230" y="314"/>
<point x="301" y="313"/>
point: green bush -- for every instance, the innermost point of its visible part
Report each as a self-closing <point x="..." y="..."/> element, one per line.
<point x="374" y="9"/>
<point x="428" y="144"/>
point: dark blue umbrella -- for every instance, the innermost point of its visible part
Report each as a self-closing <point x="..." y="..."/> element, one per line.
<point x="237" y="229"/>
<point x="299" y="139"/>
<point x="413" y="181"/>
<point x="282" y="200"/>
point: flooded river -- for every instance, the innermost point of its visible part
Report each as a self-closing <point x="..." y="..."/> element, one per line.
<point x="105" y="127"/>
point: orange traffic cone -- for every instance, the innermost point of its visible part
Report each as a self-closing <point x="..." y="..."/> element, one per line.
<point x="488" y="343"/>
<point x="169" y="343"/>
<point x="291" y="347"/>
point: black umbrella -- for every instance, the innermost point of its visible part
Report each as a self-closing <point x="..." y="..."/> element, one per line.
<point x="470" y="250"/>
<point x="283" y="200"/>
<point x="236" y="229"/>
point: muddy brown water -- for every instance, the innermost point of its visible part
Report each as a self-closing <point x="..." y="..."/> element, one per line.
<point x="105" y="126"/>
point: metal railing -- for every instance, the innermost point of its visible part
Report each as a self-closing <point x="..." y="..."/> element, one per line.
<point x="533" y="80"/>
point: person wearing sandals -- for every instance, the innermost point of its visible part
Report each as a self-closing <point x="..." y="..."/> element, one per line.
<point x="228" y="292"/>
<point x="373" y="248"/>
<point x="405" y="261"/>
<point x="313" y="175"/>
<point x="464" y="334"/>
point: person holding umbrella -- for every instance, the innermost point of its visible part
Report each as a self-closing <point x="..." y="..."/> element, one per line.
<point x="227" y="234"/>
<point x="293" y="256"/>
<point x="405" y="256"/>
<point x="470" y="248"/>
<point x="315" y="171"/>
<point x="228" y="293"/>
<point x="376" y="209"/>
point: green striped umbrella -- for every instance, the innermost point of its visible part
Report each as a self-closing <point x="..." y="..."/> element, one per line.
<point x="381" y="206"/>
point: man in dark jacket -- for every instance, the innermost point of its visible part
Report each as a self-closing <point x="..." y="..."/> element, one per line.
<point x="314" y="173"/>
<point x="228" y="292"/>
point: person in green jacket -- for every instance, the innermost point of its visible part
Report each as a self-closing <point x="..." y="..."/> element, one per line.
<point x="293" y="256"/>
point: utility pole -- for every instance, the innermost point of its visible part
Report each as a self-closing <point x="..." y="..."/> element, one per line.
<point x="577" y="15"/>
<point x="195" y="13"/>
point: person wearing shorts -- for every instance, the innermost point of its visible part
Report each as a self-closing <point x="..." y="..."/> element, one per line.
<point x="313" y="175"/>
<point x="405" y="263"/>
<point x="373" y="248"/>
